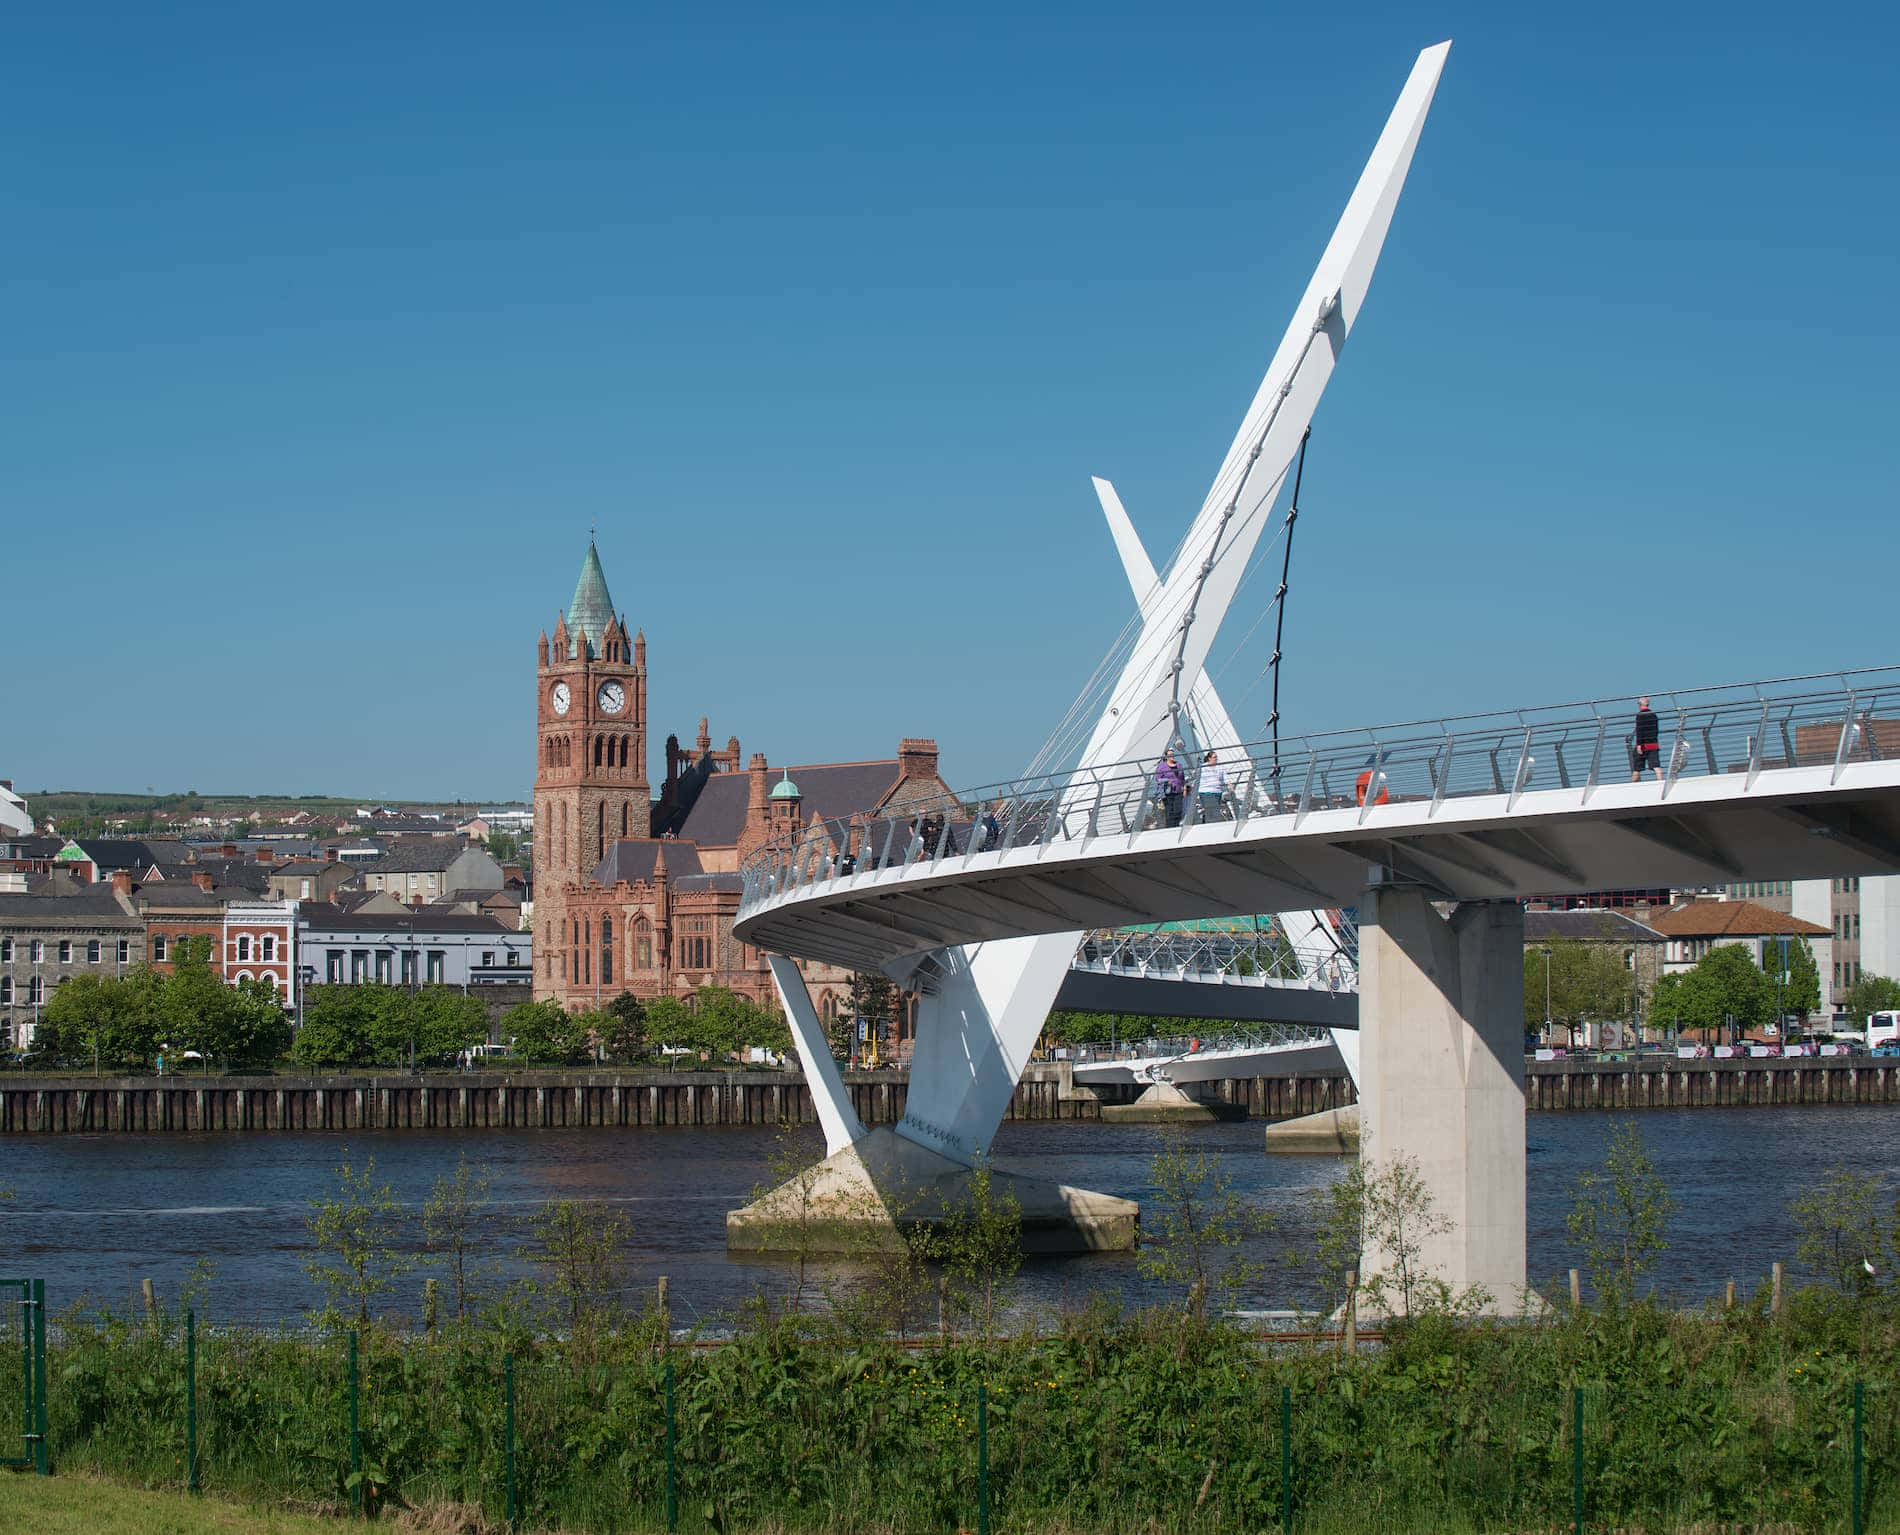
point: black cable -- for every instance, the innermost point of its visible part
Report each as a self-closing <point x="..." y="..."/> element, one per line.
<point x="1279" y="623"/>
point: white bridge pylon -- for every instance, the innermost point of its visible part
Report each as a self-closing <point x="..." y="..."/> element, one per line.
<point x="977" y="1025"/>
<point x="1311" y="934"/>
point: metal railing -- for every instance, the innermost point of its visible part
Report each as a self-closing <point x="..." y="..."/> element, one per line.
<point x="1827" y="720"/>
<point x="1175" y="1047"/>
<point x="1264" y="958"/>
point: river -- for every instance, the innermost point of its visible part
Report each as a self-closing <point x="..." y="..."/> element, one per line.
<point x="93" y="1215"/>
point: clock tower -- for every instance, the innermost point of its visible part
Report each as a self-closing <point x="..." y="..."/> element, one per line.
<point x="590" y="782"/>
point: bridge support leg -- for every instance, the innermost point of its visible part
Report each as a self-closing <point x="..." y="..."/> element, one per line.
<point x="828" y="1093"/>
<point x="1441" y="1027"/>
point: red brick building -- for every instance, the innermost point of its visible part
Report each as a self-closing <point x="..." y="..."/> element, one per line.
<point x="634" y="893"/>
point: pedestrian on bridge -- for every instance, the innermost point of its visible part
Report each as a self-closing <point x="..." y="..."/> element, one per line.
<point x="1171" y="785"/>
<point x="1213" y="788"/>
<point x="1647" y="752"/>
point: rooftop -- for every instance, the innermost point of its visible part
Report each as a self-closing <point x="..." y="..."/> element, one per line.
<point x="1731" y="919"/>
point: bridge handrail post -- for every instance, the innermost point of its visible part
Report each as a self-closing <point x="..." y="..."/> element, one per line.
<point x="1306" y="789"/>
<point x="1755" y="748"/>
<point x="1442" y="776"/>
<point x="1708" y="745"/>
<point x="1596" y="758"/>
<point x="1523" y="769"/>
<point x="1848" y="728"/>
<point x="1095" y="811"/>
<point x="1244" y="794"/>
<point x="1141" y="812"/>
<point x="1677" y="749"/>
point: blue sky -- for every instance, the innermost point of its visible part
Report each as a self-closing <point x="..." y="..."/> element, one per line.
<point x="329" y="334"/>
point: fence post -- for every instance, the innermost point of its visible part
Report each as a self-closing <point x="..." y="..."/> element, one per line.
<point x="508" y="1432"/>
<point x="1576" y="1458"/>
<point x="356" y="1442"/>
<point x="42" y="1460"/>
<point x="672" y="1469"/>
<point x="1286" y="1458"/>
<point x="1860" y="1390"/>
<point x="982" y="1459"/>
<point x="191" y="1400"/>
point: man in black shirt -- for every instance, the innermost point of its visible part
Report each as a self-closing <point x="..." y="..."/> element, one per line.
<point x="1647" y="751"/>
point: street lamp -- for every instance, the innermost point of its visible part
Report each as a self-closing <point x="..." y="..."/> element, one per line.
<point x="1544" y="949"/>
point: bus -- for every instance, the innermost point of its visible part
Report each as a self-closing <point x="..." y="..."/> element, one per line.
<point x="1883" y="1029"/>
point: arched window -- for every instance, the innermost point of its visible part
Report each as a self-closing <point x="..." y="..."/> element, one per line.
<point x="600" y="829"/>
<point x="626" y="818"/>
<point x="599" y="742"/>
<point x="606" y="949"/>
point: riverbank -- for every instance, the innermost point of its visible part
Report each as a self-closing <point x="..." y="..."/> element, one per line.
<point x="1641" y="1420"/>
<point x="640" y="1099"/>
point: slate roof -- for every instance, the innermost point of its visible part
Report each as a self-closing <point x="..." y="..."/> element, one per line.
<point x="424" y="855"/>
<point x="1731" y="919"/>
<point x="733" y="883"/>
<point x="89" y="906"/>
<point x="183" y="895"/>
<point x="1587" y="926"/>
<point x="30" y="847"/>
<point x="825" y="789"/>
<point x="301" y="868"/>
<point x="635" y="861"/>
<point x="110" y="854"/>
<point x="326" y="917"/>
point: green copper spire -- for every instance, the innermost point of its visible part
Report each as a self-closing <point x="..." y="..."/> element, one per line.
<point x="592" y="609"/>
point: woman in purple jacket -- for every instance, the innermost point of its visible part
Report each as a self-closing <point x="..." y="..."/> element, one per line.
<point x="1171" y="785"/>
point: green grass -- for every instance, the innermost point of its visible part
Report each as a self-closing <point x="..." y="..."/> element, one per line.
<point x="83" y="1505"/>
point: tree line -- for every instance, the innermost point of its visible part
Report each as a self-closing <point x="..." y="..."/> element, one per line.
<point x="134" y="1020"/>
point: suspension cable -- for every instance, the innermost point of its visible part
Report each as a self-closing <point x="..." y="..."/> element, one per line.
<point x="1279" y="627"/>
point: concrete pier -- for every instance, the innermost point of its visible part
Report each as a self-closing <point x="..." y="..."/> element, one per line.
<point x="1441" y="1015"/>
<point x="863" y="1197"/>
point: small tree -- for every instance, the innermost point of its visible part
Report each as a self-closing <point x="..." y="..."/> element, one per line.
<point x="979" y="1240"/>
<point x="545" y="1032"/>
<point x="1196" y="1228"/>
<point x="624" y="1032"/>
<point x="1399" y="1213"/>
<point x="1839" y="1226"/>
<point x="451" y="1219"/>
<point x="1801" y="983"/>
<point x="578" y="1245"/>
<point x="355" y="1232"/>
<point x="1620" y="1216"/>
<point x="1871" y="994"/>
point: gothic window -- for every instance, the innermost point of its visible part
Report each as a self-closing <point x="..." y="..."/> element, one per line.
<point x="625" y="818"/>
<point x="606" y="950"/>
<point x="599" y="741"/>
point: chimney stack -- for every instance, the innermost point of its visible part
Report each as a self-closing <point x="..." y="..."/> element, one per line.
<point x="202" y="878"/>
<point x="329" y="855"/>
<point x="264" y="855"/>
<point x="916" y="758"/>
<point x="758" y="789"/>
<point x="122" y="881"/>
<point x="229" y="850"/>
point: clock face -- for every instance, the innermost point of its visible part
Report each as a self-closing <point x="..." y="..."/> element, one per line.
<point x="561" y="698"/>
<point x="613" y="698"/>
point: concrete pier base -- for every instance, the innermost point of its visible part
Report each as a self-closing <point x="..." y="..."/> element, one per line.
<point x="1441" y="1011"/>
<point x="1165" y="1104"/>
<point x="1331" y="1132"/>
<point x="862" y="1197"/>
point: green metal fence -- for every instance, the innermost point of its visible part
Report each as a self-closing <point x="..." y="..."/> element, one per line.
<point x="23" y="1373"/>
<point x="959" y="1438"/>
